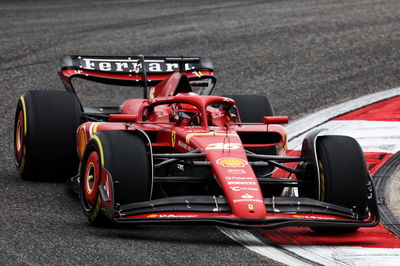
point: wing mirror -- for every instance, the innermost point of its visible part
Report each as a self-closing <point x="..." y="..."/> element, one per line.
<point x="122" y="118"/>
<point x="269" y="120"/>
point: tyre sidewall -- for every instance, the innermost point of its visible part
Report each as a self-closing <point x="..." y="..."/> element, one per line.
<point x="52" y="118"/>
<point x="343" y="171"/>
<point x="93" y="213"/>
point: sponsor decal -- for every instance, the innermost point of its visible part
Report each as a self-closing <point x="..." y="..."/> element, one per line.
<point x="247" y="196"/>
<point x="236" y="171"/>
<point x="130" y="65"/>
<point x="231" y="162"/>
<point x="247" y="200"/>
<point x="163" y="114"/>
<point x="250" y="206"/>
<point x="175" y="216"/>
<point x="244" y="188"/>
<point x="152" y="216"/>
<point x="225" y="99"/>
<point x="198" y="73"/>
<point x="312" y="217"/>
<point x="239" y="178"/>
<point x="224" y="146"/>
<point x="184" y="145"/>
<point x="173" y="138"/>
<point x="217" y="115"/>
<point x="180" y="167"/>
<point x="241" y="183"/>
<point x="160" y="99"/>
<point x="191" y="130"/>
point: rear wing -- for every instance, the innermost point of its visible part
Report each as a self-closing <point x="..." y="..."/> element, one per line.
<point x="129" y="70"/>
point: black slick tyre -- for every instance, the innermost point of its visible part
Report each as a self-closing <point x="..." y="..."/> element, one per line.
<point x="252" y="108"/>
<point x="44" y="135"/>
<point x="343" y="175"/>
<point x="124" y="156"/>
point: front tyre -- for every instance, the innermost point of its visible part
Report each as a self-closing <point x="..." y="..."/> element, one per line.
<point x="121" y="155"/>
<point x="343" y="175"/>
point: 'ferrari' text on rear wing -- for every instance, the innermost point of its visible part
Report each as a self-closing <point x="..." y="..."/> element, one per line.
<point x="137" y="70"/>
<point x="132" y="64"/>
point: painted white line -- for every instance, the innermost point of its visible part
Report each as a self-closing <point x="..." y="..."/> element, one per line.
<point x="348" y="255"/>
<point x="373" y="136"/>
<point x="324" y="255"/>
<point x="251" y="242"/>
<point x="310" y="121"/>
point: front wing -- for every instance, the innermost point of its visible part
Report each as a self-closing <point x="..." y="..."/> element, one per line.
<point x="281" y="211"/>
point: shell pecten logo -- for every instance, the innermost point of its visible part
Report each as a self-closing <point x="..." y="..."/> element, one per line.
<point x="231" y="162"/>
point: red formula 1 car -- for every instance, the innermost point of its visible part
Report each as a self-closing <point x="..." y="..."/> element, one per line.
<point x="179" y="155"/>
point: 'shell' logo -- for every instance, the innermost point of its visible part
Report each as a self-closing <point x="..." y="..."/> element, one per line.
<point x="231" y="162"/>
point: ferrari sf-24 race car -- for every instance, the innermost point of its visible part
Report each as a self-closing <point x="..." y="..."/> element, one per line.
<point x="181" y="155"/>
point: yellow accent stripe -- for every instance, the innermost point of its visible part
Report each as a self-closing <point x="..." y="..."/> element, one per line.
<point x="189" y="136"/>
<point x="24" y="111"/>
<point x="322" y="181"/>
<point x="96" y="138"/>
<point x="95" y="127"/>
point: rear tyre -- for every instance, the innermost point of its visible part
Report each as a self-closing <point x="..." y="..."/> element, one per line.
<point x="44" y="135"/>
<point x="252" y="108"/>
<point x="124" y="156"/>
<point x="343" y="176"/>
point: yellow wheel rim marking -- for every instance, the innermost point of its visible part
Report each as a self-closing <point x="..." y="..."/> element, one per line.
<point x="17" y="136"/>
<point x="96" y="138"/>
<point x="24" y="110"/>
<point x="22" y="164"/>
<point x="90" y="177"/>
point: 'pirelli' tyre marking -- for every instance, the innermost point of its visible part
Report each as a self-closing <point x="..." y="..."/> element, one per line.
<point x="96" y="210"/>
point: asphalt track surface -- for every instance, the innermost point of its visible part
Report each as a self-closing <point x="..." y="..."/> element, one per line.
<point x="305" y="55"/>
